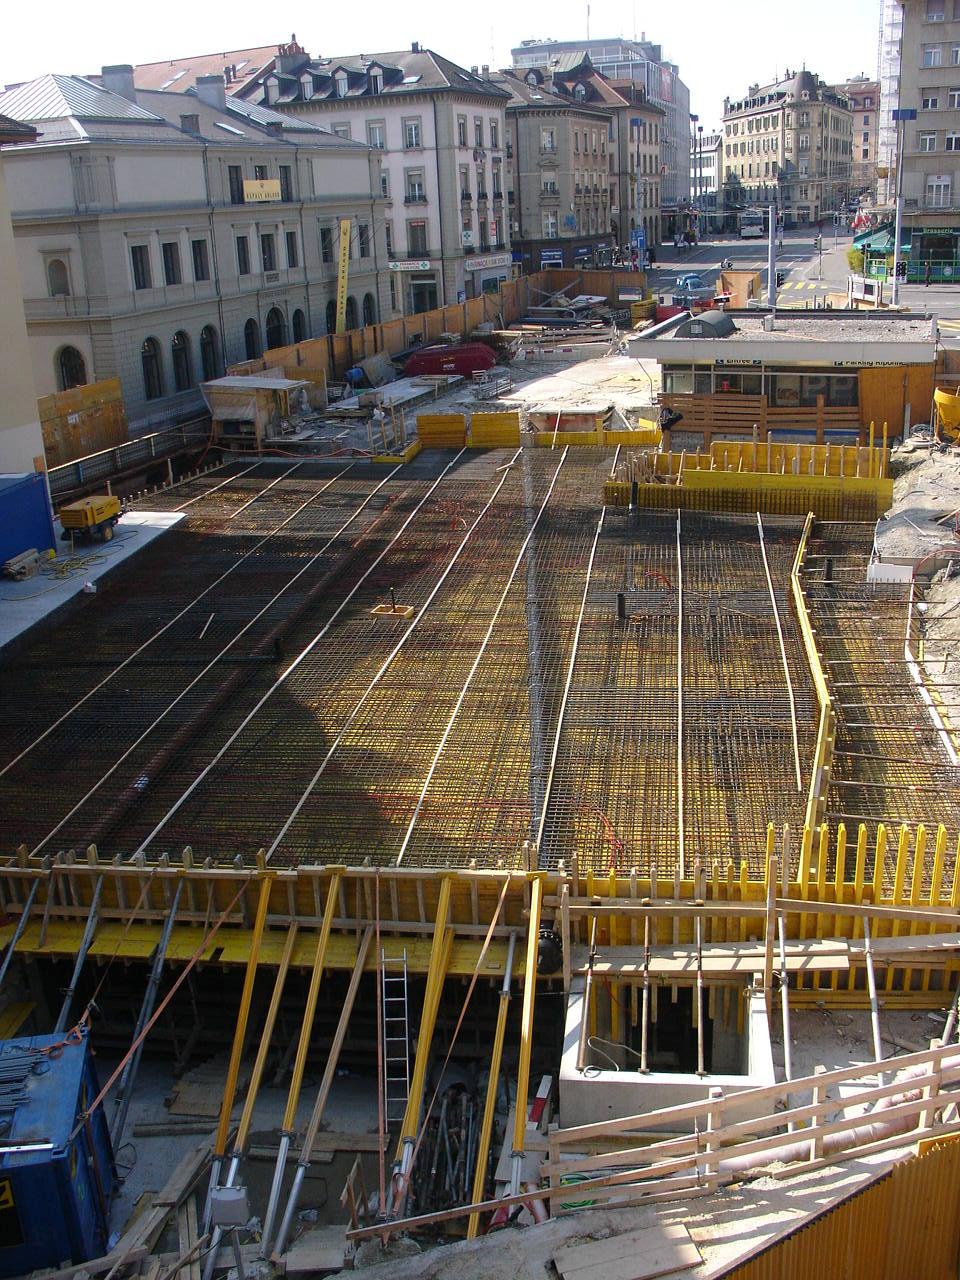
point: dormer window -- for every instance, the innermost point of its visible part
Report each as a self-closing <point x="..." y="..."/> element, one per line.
<point x="340" y="84"/>
<point x="532" y="78"/>
<point x="580" y="92"/>
<point x="306" y="86"/>
<point x="376" y="80"/>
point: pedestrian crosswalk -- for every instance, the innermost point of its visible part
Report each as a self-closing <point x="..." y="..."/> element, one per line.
<point x="802" y="284"/>
<point x="952" y="325"/>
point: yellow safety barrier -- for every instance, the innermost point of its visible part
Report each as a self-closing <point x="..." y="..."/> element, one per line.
<point x="829" y="498"/>
<point x="495" y="430"/>
<point x="442" y="430"/>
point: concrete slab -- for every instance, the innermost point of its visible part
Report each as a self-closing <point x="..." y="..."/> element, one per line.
<point x="24" y="604"/>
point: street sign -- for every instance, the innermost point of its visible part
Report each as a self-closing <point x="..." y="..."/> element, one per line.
<point x="638" y="238"/>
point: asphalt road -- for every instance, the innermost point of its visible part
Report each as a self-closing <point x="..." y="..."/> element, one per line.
<point x="809" y="274"/>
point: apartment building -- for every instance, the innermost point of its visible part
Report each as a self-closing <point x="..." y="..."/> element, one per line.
<point x="642" y="63"/>
<point x="583" y="162"/>
<point x="863" y="95"/>
<point x="891" y="31"/>
<point x="558" y="177"/>
<point x="930" y="85"/>
<point x="161" y="236"/>
<point x="707" y="166"/>
<point x="438" y="130"/>
<point x="790" y="143"/>
<point x="21" y="439"/>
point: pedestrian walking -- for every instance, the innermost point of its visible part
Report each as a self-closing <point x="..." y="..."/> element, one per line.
<point x="926" y="274"/>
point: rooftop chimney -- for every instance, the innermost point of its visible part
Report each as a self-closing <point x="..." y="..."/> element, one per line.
<point x="415" y="47"/>
<point x="212" y="91"/>
<point x="119" y="80"/>
<point x="485" y="71"/>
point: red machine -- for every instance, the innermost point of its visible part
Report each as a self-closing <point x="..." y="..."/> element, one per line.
<point x="465" y="358"/>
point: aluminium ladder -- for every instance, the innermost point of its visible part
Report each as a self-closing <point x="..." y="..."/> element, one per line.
<point x="396" y="1036"/>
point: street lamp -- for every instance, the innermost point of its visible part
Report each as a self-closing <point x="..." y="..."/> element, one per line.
<point x="694" y="121"/>
<point x="900" y="115"/>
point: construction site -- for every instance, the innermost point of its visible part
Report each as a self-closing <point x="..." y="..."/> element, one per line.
<point x="529" y="851"/>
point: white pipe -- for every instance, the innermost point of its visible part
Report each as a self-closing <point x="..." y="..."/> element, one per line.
<point x="856" y="1135"/>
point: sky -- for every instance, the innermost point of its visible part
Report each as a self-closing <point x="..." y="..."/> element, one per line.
<point x="720" y="46"/>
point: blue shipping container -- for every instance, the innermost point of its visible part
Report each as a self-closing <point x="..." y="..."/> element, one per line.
<point x="25" y="517"/>
<point x="55" y="1186"/>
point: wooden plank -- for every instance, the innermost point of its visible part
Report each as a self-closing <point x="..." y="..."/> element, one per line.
<point x="636" y="1255"/>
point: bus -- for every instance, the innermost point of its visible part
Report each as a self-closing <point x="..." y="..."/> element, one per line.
<point x="751" y="225"/>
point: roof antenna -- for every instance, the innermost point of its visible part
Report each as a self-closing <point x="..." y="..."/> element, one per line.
<point x="588" y="19"/>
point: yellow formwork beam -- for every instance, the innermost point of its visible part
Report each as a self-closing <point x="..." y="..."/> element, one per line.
<point x="243" y="1017"/>
<point x="526" y="1021"/>
<point x="490" y="1105"/>
<point x="439" y="958"/>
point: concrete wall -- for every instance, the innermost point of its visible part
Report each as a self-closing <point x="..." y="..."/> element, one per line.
<point x="597" y="1094"/>
<point x="21" y="440"/>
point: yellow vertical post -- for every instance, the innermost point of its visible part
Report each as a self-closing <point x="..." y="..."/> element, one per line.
<point x="526" y="1031"/>
<point x="916" y="889"/>
<point x="770" y="929"/>
<point x="899" y="876"/>
<point x="300" y="1062"/>
<point x="883" y="455"/>
<point x="871" y="448"/>
<point x="343" y="271"/>
<point x="839" y="879"/>
<point x="493" y="1080"/>
<point x="436" y="972"/>
<point x="936" y="882"/>
<point x="806" y="854"/>
<point x="613" y="988"/>
<point x="860" y="868"/>
<point x="744" y="895"/>
<point x="243" y="1016"/>
<point x="823" y="853"/>
<point x="879" y="861"/>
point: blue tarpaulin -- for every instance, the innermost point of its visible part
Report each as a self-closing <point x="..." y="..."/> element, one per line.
<point x="25" y="517"/>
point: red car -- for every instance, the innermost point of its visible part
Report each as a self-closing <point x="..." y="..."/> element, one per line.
<point x="466" y="358"/>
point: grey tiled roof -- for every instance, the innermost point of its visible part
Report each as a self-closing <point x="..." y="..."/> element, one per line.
<point x="58" y="97"/>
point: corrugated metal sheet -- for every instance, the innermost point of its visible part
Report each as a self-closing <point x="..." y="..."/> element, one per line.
<point x="905" y="1226"/>
<point x="55" y="97"/>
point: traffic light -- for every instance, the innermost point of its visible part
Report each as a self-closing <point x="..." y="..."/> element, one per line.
<point x="817" y="244"/>
<point x="781" y="276"/>
<point x="901" y="270"/>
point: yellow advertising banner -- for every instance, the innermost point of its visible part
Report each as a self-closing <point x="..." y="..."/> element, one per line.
<point x="342" y="273"/>
<point x="260" y="190"/>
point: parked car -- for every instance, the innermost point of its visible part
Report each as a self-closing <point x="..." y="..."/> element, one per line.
<point x="693" y="287"/>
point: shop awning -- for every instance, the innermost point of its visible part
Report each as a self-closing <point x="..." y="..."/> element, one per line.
<point x="880" y="241"/>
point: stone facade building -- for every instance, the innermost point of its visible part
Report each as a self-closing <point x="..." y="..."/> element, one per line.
<point x="21" y="439"/>
<point x="643" y="64"/>
<point x="864" y="97"/>
<point x="439" y="131"/>
<point x="790" y="143"/>
<point x="162" y="236"/>
<point x="930" y="85"/>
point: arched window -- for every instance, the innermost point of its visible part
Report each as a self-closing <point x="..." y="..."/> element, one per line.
<point x="182" y="370"/>
<point x="251" y="339"/>
<point x="57" y="278"/>
<point x="369" y="309"/>
<point x="351" y="312"/>
<point x="209" y="355"/>
<point x="299" y="326"/>
<point x="580" y="92"/>
<point x="71" y="369"/>
<point x="276" y="328"/>
<point x="331" y="316"/>
<point x="152" y="369"/>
